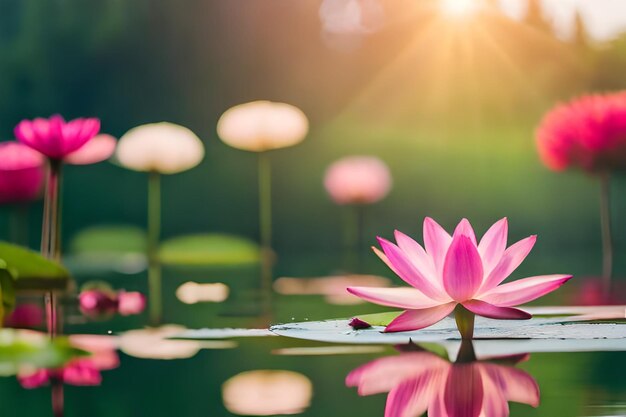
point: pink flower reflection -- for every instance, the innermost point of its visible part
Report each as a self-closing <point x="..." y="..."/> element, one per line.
<point x="25" y="316"/>
<point x="588" y="133"/>
<point x="358" y="180"/>
<point x="420" y="381"/>
<point x="21" y="173"/>
<point x="100" y="303"/>
<point x="54" y="137"/>
<point x="98" y="149"/>
<point x="129" y="303"/>
<point x="97" y="304"/>
<point x="83" y="371"/>
<point x="457" y="270"/>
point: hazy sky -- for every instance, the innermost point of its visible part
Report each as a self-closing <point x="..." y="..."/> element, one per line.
<point x="604" y="18"/>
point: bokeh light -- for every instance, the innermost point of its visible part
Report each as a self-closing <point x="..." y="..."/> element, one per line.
<point x="459" y="8"/>
<point x="193" y="292"/>
<point x="267" y="392"/>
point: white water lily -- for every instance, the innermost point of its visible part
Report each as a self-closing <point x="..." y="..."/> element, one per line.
<point x="163" y="147"/>
<point x="262" y="125"/>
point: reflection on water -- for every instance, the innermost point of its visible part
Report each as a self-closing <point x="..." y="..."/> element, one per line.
<point x="227" y="376"/>
<point x="153" y="343"/>
<point x="421" y="381"/>
<point x="266" y="393"/>
<point x="81" y="371"/>
<point x="193" y="292"/>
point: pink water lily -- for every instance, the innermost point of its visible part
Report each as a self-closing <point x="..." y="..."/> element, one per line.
<point x="81" y="371"/>
<point x="457" y="272"/>
<point x="421" y="381"/>
<point x="54" y="137"/>
<point x="21" y="173"/>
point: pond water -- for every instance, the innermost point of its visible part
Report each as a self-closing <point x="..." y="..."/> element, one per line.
<point x="271" y="375"/>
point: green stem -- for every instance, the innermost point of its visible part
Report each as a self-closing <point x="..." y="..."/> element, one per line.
<point x="51" y="237"/>
<point x="154" y="234"/>
<point x="605" y="222"/>
<point x="265" y="228"/>
<point x="464" y="322"/>
<point x="466" y="352"/>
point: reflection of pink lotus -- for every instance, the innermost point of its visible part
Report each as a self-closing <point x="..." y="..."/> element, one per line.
<point x="97" y="303"/>
<point x="420" y="381"/>
<point x="54" y="137"/>
<point x="592" y="291"/>
<point x="98" y="149"/>
<point x="21" y="173"/>
<point x="82" y="371"/>
<point x="129" y="303"/>
<point x="357" y="180"/>
<point x="25" y="316"/>
<point x="589" y="133"/>
<point x="457" y="270"/>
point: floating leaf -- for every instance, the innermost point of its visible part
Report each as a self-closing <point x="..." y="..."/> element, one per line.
<point x="209" y="249"/>
<point x="211" y="334"/>
<point x="102" y="249"/>
<point x="576" y="335"/>
<point x="109" y="239"/>
<point x="566" y="313"/>
<point x="31" y="270"/>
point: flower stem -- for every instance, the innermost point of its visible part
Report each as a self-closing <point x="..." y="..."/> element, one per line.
<point x="464" y="322"/>
<point x="154" y="233"/>
<point x="605" y="222"/>
<point x="265" y="228"/>
<point x="51" y="236"/>
<point x="57" y="398"/>
<point x="466" y="352"/>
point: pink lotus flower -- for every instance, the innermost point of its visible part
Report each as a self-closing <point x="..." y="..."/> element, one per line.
<point x="130" y="303"/>
<point x="589" y="133"/>
<point x="357" y="180"/>
<point x="457" y="271"/>
<point x="98" y="149"/>
<point x="21" y="173"/>
<point x="83" y="371"/>
<point x="420" y="381"/>
<point x="54" y="137"/>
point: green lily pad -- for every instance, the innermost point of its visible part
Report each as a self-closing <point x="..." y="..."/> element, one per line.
<point x="379" y="319"/>
<point x="573" y="332"/>
<point x="209" y="250"/>
<point x="102" y="249"/>
<point x="109" y="239"/>
<point x="30" y="270"/>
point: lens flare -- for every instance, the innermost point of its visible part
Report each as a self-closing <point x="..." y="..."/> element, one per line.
<point x="459" y="8"/>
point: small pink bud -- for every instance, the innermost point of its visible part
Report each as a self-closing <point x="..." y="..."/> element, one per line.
<point x="358" y="324"/>
<point x="94" y="303"/>
<point x="130" y="303"/>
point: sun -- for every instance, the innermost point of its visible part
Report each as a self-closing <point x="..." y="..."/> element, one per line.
<point x="459" y="8"/>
